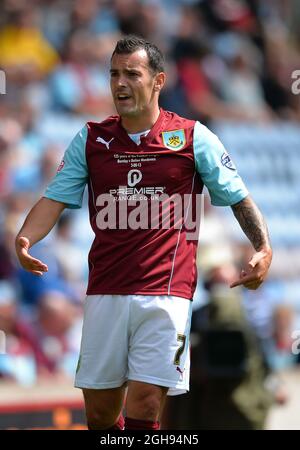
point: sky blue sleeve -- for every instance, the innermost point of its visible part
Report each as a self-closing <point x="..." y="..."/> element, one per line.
<point x="69" y="182"/>
<point x="216" y="169"/>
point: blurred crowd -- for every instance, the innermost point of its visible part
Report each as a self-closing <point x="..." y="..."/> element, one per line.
<point x="228" y="60"/>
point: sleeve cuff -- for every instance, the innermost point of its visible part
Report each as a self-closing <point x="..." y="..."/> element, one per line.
<point x="232" y="200"/>
<point x="61" y="199"/>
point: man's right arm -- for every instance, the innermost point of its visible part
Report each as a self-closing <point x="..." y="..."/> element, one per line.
<point x="39" y="222"/>
<point x="64" y="191"/>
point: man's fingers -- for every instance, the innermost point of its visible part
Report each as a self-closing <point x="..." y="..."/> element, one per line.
<point x="30" y="259"/>
<point x="30" y="263"/>
<point x="256" y="258"/>
<point x="252" y="286"/>
<point x="249" y="281"/>
<point x="236" y="283"/>
<point x="243" y="281"/>
<point x="34" y="263"/>
<point x="255" y="273"/>
<point x="36" y="272"/>
<point x="36" y="269"/>
<point x="38" y="265"/>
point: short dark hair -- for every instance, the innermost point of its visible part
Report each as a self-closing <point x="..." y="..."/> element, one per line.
<point x="131" y="44"/>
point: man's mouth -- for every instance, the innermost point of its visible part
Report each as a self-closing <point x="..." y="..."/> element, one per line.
<point x="123" y="97"/>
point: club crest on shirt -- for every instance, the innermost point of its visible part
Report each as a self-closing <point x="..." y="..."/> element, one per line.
<point x="227" y="162"/>
<point x="174" y="140"/>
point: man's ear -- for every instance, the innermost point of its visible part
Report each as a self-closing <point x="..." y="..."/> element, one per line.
<point x="160" y="80"/>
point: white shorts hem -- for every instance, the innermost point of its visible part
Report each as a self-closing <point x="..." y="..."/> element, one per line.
<point x="110" y="385"/>
<point x="173" y="387"/>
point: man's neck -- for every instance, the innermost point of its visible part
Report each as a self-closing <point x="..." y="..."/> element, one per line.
<point x="142" y="123"/>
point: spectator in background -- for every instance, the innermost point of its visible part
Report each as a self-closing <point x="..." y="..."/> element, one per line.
<point x="126" y="13"/>
<point x="197" y="88"/>
<point x="81" y="85"/>
<point x="11" y="213"/>
<point x="69" y="257"/>
<point x="94" y="16"/>
<point x="204" y="77"/>
<point x="9" y="129"/>
<point x="281" y="59"/>
<point x="240" y="84"/>
<point x="7" y="259"/>
<point x="293" y="19"/>
<point x="272" y="318"/>
<point x="24" y="358"/>
<point x="25" y="55"/>
<point x="230" y="372"/>
<point x="34" y="288"/>
<point x="48" y="164"/>
<point x="222" y="15"/>
<point x="58" y="327"/>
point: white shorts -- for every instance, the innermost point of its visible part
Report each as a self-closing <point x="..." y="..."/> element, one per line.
<point x="135" y="337"/>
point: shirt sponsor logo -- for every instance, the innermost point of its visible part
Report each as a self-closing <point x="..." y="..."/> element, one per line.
<point x="226" y="161"/>
<point x="130" y="191"/>
<point x="174" y="140"/>
<point x="134" y="177"/>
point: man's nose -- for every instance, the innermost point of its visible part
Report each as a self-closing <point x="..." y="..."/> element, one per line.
<point x="121" y="81"/>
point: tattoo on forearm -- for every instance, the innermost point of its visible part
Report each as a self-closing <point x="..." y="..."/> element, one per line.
<point x="252" y="223"/>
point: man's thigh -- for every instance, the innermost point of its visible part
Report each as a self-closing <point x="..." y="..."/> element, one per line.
<point x="104" y="344"/>
<point x="159" y="342"/>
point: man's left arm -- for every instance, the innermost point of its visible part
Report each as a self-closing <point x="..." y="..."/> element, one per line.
<point x="226" y="188"/>
<point x="254" y="226"/>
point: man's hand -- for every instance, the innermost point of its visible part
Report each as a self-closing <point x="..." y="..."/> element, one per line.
<point x="40" y="220"/>
<point x="253" y="224"/>
<point x="28" y="262"/>
<point x="256" y="272"/>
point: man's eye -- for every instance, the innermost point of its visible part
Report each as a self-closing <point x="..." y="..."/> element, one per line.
<point x="132" y="74"/>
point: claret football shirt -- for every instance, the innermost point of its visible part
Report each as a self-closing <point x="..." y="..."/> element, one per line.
<point x="144" y="199"/>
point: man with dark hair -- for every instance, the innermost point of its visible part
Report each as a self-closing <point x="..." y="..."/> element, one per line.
<point x="137" y="312"/>
<point x="133" y="43"/>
